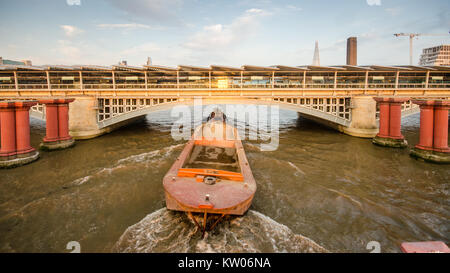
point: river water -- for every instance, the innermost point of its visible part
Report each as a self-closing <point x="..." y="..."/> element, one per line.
<point x="341" y="192"/>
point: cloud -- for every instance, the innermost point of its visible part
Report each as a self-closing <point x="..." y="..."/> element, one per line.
<point x="71" y="31"/>
<point x="154" y="10"/>
<point x="73" y="2"/>
<point x="124" y="26"/>
<point x="294" y="8"/>
<point x="373" y="2"/>
<point x="219" y="36"/>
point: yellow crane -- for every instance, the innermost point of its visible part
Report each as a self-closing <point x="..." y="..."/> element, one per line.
<point x="411" y="37"/>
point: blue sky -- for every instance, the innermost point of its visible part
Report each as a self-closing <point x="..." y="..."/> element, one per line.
<point x="226" y="32"/>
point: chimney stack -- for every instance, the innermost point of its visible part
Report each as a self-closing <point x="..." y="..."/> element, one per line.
<point x="352" y="51"/>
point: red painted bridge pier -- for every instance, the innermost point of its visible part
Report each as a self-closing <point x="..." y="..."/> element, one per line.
<point x="390" y="123"/>
<point x="15" y="130"/>
<point x="57" y="124"/>
<point x="433" y="141"/>
<point x="15" y="134"/>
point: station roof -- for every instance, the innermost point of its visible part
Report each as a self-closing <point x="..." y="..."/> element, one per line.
<point x="222" y="68"/>
<point x="442" y="67"/>
<point x="325" y="68"/>
<point x="128" y="68"/>
<point x="354" y="68"/>
<point x="58" y="67"/>
<point x="247" y="67"/>
<point x="160" y="68"/>
<point x="193" y="68"/>
<point x="92" y="67"/>
<point x="226" y="68"/>
<point x="290" y="68"/>
<point x="386" y="68"/>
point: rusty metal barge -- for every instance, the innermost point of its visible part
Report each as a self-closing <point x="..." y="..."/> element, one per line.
<point x="212" y="174"/>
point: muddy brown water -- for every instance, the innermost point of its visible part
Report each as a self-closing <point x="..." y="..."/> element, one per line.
<point x="340" y="191"/>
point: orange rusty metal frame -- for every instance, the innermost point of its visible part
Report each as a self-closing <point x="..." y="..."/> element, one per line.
<point x="215" y="142"/>
<point x="187" y="172"/>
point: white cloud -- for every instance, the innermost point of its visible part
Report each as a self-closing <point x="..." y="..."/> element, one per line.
<point x="71" y="31"/>
<point x="294" y="8"/>
<point x="124" y="26"/>
<point x="219" y="36"/>
<point x="373" y="2"/>
<point x="73" y="2"/>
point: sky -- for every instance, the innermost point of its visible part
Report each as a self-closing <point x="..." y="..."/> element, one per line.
<point x="221" y="32"/>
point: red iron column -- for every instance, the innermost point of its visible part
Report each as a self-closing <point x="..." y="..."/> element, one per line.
<point x="57" y="124"/>
<point x="426" y="125"/>
<point x="440" y="138"/>
<point x="384" y="119"/>
<point x="23" y="127"/>
<point x="15" y="134"/>
<point x="63" y="119"/>
<point x="8" y="129"/>
<point x="389" y="134"/>
<point x="433" y="142"/>
<point x="395" y="120"/>
<point x="51" y="120"/>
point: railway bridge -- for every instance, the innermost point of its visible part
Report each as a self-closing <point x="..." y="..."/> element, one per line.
<point x="86" y="101"/>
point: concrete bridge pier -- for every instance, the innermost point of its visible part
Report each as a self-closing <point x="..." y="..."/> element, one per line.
<point x="433" y="140"/>
<point x="363" y="123"/>
<point x="15" y="134"/>
<point x="57" y="124"/>
<point x="83" y="119"/>
<point x="390" y="123"/>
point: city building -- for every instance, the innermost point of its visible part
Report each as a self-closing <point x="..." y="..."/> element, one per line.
<point x="437" y="55"/>
<point x="316" y="58"/>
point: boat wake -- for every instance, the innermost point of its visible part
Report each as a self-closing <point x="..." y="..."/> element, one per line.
<point x="147" y="158"/>
<point x="169" y="231"/>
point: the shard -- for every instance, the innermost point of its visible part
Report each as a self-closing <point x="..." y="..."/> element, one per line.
<point x="316" y="59"/>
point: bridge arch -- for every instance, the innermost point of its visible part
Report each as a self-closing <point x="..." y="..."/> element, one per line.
<point x="93" y="116"/>
<point x="316" y="107"/>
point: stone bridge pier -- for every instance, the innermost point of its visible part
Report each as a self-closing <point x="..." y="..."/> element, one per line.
<point x="84" y="121"/>
<point x="363" y="122"/>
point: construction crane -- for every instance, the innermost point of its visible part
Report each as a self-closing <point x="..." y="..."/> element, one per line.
<point x="411" y="37"/>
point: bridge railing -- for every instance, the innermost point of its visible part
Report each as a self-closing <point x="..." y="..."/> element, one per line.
<point x="215" y="86"/>
<point x="350" y="85"/>
<point x="162" y="85"/>
<point x="412" y="85"/>
<point x="380" y="85"/>
<point x="33" y="86"/>
<point x="319" y="85"/>
<point x="7" y="86"/>
<point x="439" y="85"/>
<point x="98" y="86"/>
